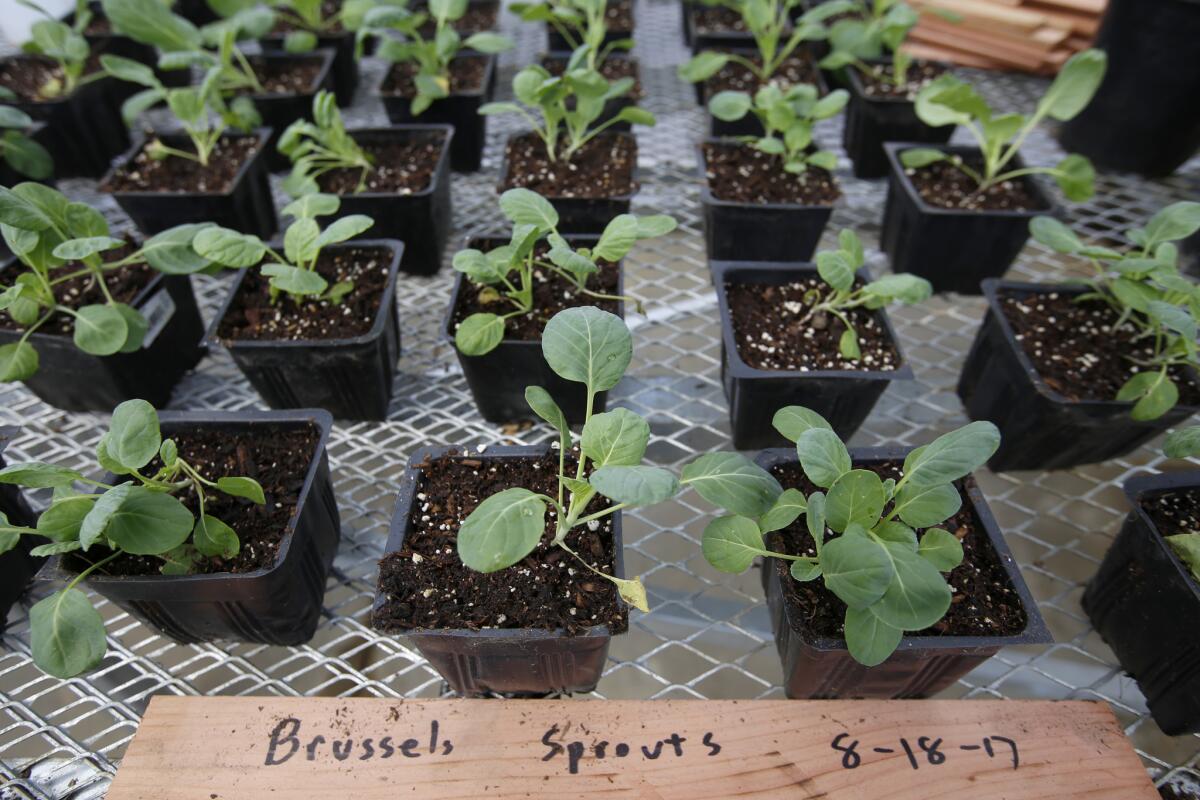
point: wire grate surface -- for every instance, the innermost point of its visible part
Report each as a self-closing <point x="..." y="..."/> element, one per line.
<point x="708" y="635"/>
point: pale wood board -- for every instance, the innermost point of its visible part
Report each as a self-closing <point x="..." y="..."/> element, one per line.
<point x="215" y="748"/>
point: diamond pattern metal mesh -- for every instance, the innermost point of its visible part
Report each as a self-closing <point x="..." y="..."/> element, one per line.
<point x="708" y="635"/>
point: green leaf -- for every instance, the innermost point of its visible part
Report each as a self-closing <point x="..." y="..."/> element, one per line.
<point x="793" y="421"/>
<point x="1187" y="548"/>
<point x="247" y="488"/>
<point x="869" y="639"/>
<point x="54" y="549"/>
<point x="35" y="475"/>
<point x="618" y="238"/>
<point x="100" y="330"/>
<point x="922" y="506"/>
<point x="615" y="438"/>
<point x="133" y="435"/>
<point x="479" y="334"/>
<point x="487" y="42"/>
<point x="343" y="229"/>
<point x="213" y="538"/>
<point x="171" y="252"/>
<point x="1155" y="394"/>
<point x="67" y="634"/>
<point x="294" y="280"/>
<point x="502" y="530"/>
<point x="1173" y="318"/>
<point x="632" y="592"/>
<point x="96" y="521"/>
<point x="823" y="456"/>
<point x="299" y="41"/>
<point x="734" y="483"/>
<point x="903" y="286"/>
<point x="1075" y="177"/>
<point x="848" y="345"/>
<point x="19" y="212"/>
<point x="14" y="118"/>
<point x="703" y="66"/>
<point x="229" y="248"/>
<point x="856" y="568"/>
<point x="787" y="509"/>
<point x="300" y="241"/>
<point x="729" y="106"/>
<point x="149" y="523"/>
<point x="525" y="207"/>
<point x="897" y="533"/>
<point x="312" y="205"/>
<point x="941" y="548"/>
<point x="589" y="346"/>
<point x="814" y="518"/>
<point x="1184" y="443"/>
<point x="835" y="269"/>
<point x="918" y="595"/>
<point x="478" y="267"/>
<point x="635" y="486"/>
<point x="61" y="522"/>
<point x="180" y="561"/>
<point x="136" y="327"/>
<point x="26" y="156"/>
<point x="168" y="451"/>
<point x="952" y="456"/>
<point x="1074" y="86"/>
<point x="1055" y="235"/>
<point x="804" y="571"/>
<point x="544" y="406"/>
<point x="731" y="544"/>
<point x="919" y="157"/>
<point x="18" y="361"/>
<point x="655" y="225"/>
<point x="856" y="498"/>
<point x="152" y="22"/>
<point x="950" y="101"/>
<point x="1176" y="221"/>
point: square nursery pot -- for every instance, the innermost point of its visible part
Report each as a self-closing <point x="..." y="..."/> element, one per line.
<point x="844" y="397"/>
<point x="1040" y="428"/>
<point x="9" y="177"/>
<point x="422" y="219"/>
<point x="953" y="249"/>
<point x="581" y="214"/>
<point x="700" y="39"/>
<point x="504" y="660"/>
<point x="817" y="667"/>
<point x="343" y="71"/>
<point x="871" y="121"/>
<point x="247" y="206"/>
<point x="1145" y="604"/>
<point x="85" y="130"/>
<point x="459" y="110"/>
<point x="280" y="604"/>
<point x="737" y="231"/>
<point x="497" y="379"/>
<point x="17" y="566"/>
<point x="350" y="378"/>
<point x="278" y="111"/>
<point x="73" y="380"/>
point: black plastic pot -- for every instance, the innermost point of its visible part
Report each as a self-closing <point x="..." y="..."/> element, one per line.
<point x="120" y="45"/>
<point x="344" y="68"/>
<point x="736" y="231"/>
<point x="278" y="111"/>
<point x="582" y="214"/>
<point x="498" y="379"/>
<point x="871" y="121"/>
<point x="17" y="566"/>
<point x="1145" y="604"/>
<point x="816" y="667"/>
<point x="1144" y="117"/>
<point x="712" y="40"/>
<point x="9" y="177"/>
<point x="73" y="380"/>
<point x="459" y="110"/>
<point x="421" y="220"/>
<point x="246" y="207"/>
<point x="1040" y="428"/>
<point x="953" y="249"/>
<point x="85" y="130"/>
<point x="844" y="397"/>
<point x="504" y="660"/>
<point x="280" y="604"/>
<point x="349" y="378"/>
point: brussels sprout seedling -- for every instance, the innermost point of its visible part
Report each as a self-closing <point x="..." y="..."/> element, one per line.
<point x="320" y="146"/>
<point x="65" y="45"/>
<point x="22" y="154"/>
<point x="581" y="23"/>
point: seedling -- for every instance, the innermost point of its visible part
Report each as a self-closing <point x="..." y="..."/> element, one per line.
<point x="508" y="271"/>
<point x="22" y="154"/>
<point x="65" y="45"/>
<point x="320" y="146"/>
<point x="139" y="514"/>
<point x="568" y="106"/>
<point x="878" y="28"/>
<point x="431" y="57"/>
<point x="592" y="347"/>
<point x="581" y="23"/>
<point x="55" y="241"/>
<point x="950" y="101"/>
<point x="294" y="272"/>
<point x="306" y="18"/>
<point x="1145" y="287"/>
<point x="787" y="116"/>
<point x="889" y="578"/>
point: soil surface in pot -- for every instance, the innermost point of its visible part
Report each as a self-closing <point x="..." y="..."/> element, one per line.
<point x="1174" y="512"/>
<point x="736" y="77"/>
<point x="479" y="17"/>
<point x="277" y="456"/>
<point x="175" y="175"/>
<point x="944" y="185"/>
<point x="1076" y="349"/>
<point x="285" y="24"/>
<point x="774" y="332"/>
<point x="285" y="75"/>
<point x="27" y="75"/>
<point x="601" y="168"/>
<point x="618" y="16"/>
<point x="878" y="84"/>
<point x="613" y="69"/>
<point x="403" y="166"/>
<point x="466" y="75"/>
<point x="739" y="173"/>
<point x="252" y="315"/>
<point x="425" y="585"/>
<point x="717" y="19"/>
<point x="124" y="284"/>
<point x="984" y="601"/>
<point x="551" y="293"/>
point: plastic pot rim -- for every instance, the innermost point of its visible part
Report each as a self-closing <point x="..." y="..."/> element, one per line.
<point x="613" y="198"/>
<point x="139" y="142"/>
<point x="1148" y="484"/>
<point x="489" y="68"/>
<point x="325" y="54"/>
<point x="708" y="198"/>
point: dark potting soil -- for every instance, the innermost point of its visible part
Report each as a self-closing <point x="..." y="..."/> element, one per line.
<point x="278" y="457"/>
<point x="466" y="75"/>
<point x="878" y="85"/>
<point x="613" y="69"/>
<point x="425" y="585"/>
<point x="477" y="18"/>
<point x="551" y="293"/>
<point x="124" y="283"/>
<point x="27" y="76"/>
<point x="601" y="168"/>
<point x="736" y="77"/>
<point x="284" y="24"/>
<point x="1174" y="512"/>
<point x="946" y="186"/>
<point x="618" y="16"/>
<point x="175" y="175"/>
<point x="252" y="315"/>
<point x="401" y="166"/>
<point x="984" y="602"/>
<point x="1075" y="348"/>
<point x="741" y="174"/>
<point x="773" y="330"/>
<point x="717" y="19"/>
<point x="296" y="75"/>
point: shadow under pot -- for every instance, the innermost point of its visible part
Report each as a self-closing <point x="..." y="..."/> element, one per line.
<point x="507" y="631"/>
<point x="1056" y="410"/>
<point x="619" y="23"/>
<point x="596" y="185"/>
<point x="927" y="233"/>
<point x="799" y="67"/>
<point x="272" y="592"/>
<point x="714" y="28"/>
<point x="17" y="566"/>
<point x="471" y="75"/>
<point x="343" y="71"/>
<point x="85" y="130"/>
<point x="773" y="355"/>
<point x="233" y="190"/>
<point x="291" y="81"/>
<point x="72" y="380"/>
<point x="9" y="177"/>
<point x="498" y="378"/>
<point x="1145" y="602"/>
<point x="992" y="607"/>
<point x="752" y="215"/>
<point x="407" y="194"/>
<point x="880" y="111"/>
<point x="340" y="357"/>
<point x="615" y="67"/>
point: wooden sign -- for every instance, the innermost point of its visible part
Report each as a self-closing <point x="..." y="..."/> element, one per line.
<point x="250" y="748"/>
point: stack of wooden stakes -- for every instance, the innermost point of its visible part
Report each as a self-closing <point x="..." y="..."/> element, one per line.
<point x="1028" y="35"/>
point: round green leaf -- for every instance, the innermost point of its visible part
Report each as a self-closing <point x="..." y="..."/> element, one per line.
<point x="214" y="538"/>
<point x="171" y="251"/>
<point x="618" y="438"/>
<point x="502" y="530"/>
<point x="1055" y="235"/>
<point x="242" y="487"/>
<point x="18" y="361"/>
<point x="133" y="435"/>
<point x="804" y="571"/>
<point x="345" y="228"/>
<point x="67" y="634"/>
<point x="922" y="506"/>
<point x="856" y="568"/>
<point x="294" y="280"/>
<point x="823" y="456"/>
<point x="793" y="421"/>
<point x="61" y="522"/>
<point x="53" y="549"/>
<point x="95" y="522"/>
<point x="953" y="455"/>
<point x="26" y="156"/>
<point x="618" y="238"/>
<point x="731" y="544"/>
<point x="869" y="639"/>
<point x="919" y="157"/>
<point x="1076" y="177"/>
<point x="149" y="523"/>
<point x="1075" y="84"/>
<point x="479" y="334"/>
<point x="897" y="533"/>
<point x="76" y="249"/>
<point x="918" y="595"/>
<point x="100" y="330"/>
<point x="788" y="507"/>
<point x="526" y="207"/>
<point x="136" y="325"/>
<point x="635" y="486"/>
<point x="941" y="548"/>
<point x="855" y="498"/>
<point x="35" y="475"/>
<point x="734" y="483"/>
<point x="835" y="269"/>
<point x="229" y="248"/>
<point x="589" y="346"/>
<point x="1176" y="221"/>
<point x="729" y="106"/>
